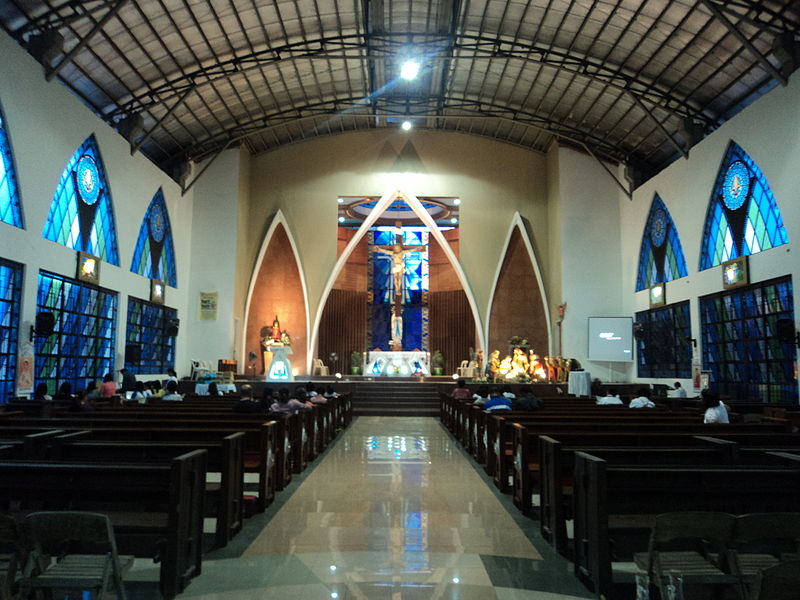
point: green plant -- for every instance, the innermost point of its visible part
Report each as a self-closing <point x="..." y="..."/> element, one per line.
<point x="355" y="359"/>
<point x="437" y="360"/>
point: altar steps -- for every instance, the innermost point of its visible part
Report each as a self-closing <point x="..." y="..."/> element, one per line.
<point x="400" y="399"/>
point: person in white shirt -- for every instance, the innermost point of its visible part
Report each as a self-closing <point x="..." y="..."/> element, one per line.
<point x="172" y="392"/>
<point x="642" y="400"/>
<point x="716" y="411"/>
<point x="611" y="398"/>
<point x="680" y="391"/>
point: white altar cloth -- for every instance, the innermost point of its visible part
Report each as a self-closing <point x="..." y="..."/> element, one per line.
<point x="396" y="364"/>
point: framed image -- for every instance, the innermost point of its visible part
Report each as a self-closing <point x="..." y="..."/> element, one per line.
<point x="88" y="268"/>
<point x="735" y="273"/>
<point x="208" y="306"/>
<point x="157" y="291"/>
<point x="658" y="295"/>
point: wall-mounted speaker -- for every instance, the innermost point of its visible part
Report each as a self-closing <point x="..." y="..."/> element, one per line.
<point x="785" y="331"/>
<point x="133" y="353"/>
<point x="45" y="323"/>
<point x="172" y="326"/>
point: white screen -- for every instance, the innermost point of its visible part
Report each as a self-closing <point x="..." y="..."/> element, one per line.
<point x="611" y="339"/>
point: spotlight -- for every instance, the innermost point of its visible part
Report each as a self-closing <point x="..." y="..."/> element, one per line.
<point x="456" y="580"/>
<point x="338" y="375"/>
<point x="341" y="219"/>
<point x="406" y="125"/>
<point x="333" y="568"/>
<point x="455" y="376"/>
<point x="409" y="70"/>
<point x="454" y="220"/>
<point x="340" y="200"/>
<point x="457" y="201"/>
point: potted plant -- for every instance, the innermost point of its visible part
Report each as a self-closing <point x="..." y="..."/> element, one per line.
<point x="437" y="362"/>
<point x="355" y="363"/>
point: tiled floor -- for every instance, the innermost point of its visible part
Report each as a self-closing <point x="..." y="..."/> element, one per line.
<point x="396" y="511"/>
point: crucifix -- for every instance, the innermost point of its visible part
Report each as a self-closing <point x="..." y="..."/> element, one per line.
<point x="397" y="251"/>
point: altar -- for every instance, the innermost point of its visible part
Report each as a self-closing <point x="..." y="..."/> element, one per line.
<point x="396" y="364"/>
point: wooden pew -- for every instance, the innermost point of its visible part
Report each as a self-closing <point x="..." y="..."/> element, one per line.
<point x="225" y="456"/>
<point x="156" y="509"/>
<point x="619" y="503"/>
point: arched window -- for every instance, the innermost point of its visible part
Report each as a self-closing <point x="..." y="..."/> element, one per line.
<point x="154" y="256"/>
<point x="661" y="257"/>
<point x="10" y="208"/>
<point x="82" y="215"/>
<point x="743" y="217"/>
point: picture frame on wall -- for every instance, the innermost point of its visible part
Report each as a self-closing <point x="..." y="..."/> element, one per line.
<point x="658" y="295"/>
<point x="735" y="273"/>
<point x="88" y="268"/>
<point x="157" y="291"/>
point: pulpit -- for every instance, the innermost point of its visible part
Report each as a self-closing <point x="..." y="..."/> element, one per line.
<point x="280" y="368"/>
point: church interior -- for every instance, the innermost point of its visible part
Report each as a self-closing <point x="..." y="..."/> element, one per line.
<point x="561" y="200"/>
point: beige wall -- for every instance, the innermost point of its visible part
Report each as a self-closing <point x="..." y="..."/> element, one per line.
<point x="493" y="180"/>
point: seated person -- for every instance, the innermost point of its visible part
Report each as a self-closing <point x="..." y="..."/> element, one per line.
<point x="172" y="394"/>
<point x="526" y="400"/>
<point x="680" y="391"/>
<point x="158" y="390"/>
<point x="213" y="389"/>
<point x="108" y="388"/>
<point x="64" y="393"/>
<point x="508" y="393"/>
<point x="715" y="409"/>
<point x="461" y="391"/>
<point x="610" y="399"/>
<point x="92" y="393"/>
<point x="42" y="393"/>
<point x="139" y="393"/>
<point x="330" y="393"/>
<point x="247" y="404"/>
<point x="80" y="403"/>
<point x="481" y="395"/>
<point x="266" y="398"/>
<point x="497" y="401"/>
<point x="286" y="404"/>
<point x="313" y="396"/>
<point x="642" y="399"/>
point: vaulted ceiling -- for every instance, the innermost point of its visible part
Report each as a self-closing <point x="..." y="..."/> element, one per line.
<point x="631" y="81"/>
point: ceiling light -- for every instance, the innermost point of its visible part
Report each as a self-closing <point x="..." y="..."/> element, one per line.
<point x="454" y="220"/>
<point x="406" y="125"/>
<point x="340" y="200"/>
<point x="341" y="219"/>
<point x="409" y="70"/>
<point x="457" y="201"/>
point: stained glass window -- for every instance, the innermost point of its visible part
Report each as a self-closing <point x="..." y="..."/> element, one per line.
<point x="741" y="346"/>
<point x="661" y="256"/>
<point x="743" y="217"/>
<point x="154" y="256"/>
<point x="10" y="209"/>
<point x="663" y="346"/>
<point x="82" y="215"/>
<point x="81" y="347"/>
<point x="10" y="294"/>
<point x="147" y="333"/>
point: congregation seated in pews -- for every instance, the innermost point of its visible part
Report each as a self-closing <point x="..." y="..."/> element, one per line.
<point x="147" y="465"/>
<point x="596" y="476"/>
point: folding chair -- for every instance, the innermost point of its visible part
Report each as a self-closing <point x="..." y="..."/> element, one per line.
<point x="683" y="544"/>
<point x="73" y="551"/>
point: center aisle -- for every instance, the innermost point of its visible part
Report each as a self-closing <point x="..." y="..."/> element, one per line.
<point x="393" y="511"/>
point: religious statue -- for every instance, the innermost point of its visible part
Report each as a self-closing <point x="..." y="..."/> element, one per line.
<point x="494" y="364"/>
<point x="520" y="361"/>
<point x="536" y="367"/>
<point x="276" y="330"/>
<point x="397" y="252"/>
<point x="397" y="331"/>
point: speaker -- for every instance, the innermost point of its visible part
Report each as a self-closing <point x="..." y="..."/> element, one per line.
<point x="785" y="331"/>
<point x="133" y="353"/>
<point x="172" y="326"/>
<point x="45" y="323"/>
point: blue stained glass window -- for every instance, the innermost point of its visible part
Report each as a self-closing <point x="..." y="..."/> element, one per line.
<point x="147" y="329"/>
<point x="661" y="255"/>
<point x="82" y="215"/>
<point x="154" y="256"/>
<point x="743" y="217"/>
<point x="741" y="346"/>
<point x="664" y="347"/>
<point x="10" y="208"/>
<point x="10" y="295"/>
<point x="81" y="347"/>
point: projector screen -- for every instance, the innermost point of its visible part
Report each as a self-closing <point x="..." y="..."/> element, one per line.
<point x="611" y="339"/>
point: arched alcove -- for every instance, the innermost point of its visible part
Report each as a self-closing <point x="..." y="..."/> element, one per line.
<point x="517" y="306"/>
<point x="277" y="290"/>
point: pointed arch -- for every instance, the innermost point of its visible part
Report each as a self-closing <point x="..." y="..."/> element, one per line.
<point x="743" y="217"/>
<point x="81" y="216"/>
<point x="10" y="204"/>
<point x="518" y="224"/>
<point x="154" y="255"/>
<point x="428" y="221"/>
<point x="278" y="221"/>
<point x="661" y="255"/>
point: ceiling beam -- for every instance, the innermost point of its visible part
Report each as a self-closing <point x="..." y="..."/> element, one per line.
<point x="743" y="39"/>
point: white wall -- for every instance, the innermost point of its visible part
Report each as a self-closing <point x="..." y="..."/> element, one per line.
<point x="769" y="131"/>
<point x="46" y="125"/>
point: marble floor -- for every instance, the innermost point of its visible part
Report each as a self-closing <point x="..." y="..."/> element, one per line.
<point x="393" y="510"/>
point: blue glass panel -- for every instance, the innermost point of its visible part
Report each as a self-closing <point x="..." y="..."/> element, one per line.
<point x="664" y="349"/>
<point x="82" y="215"/>
<point x="154" y="255"/>
<point x="10" y="297"/>
<point x="741" y="194"/>
<point x="10" y="207"/>
<point x="661" y="255"/>
<point x="147" y="328"/>
<point x="81" y="347"/>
